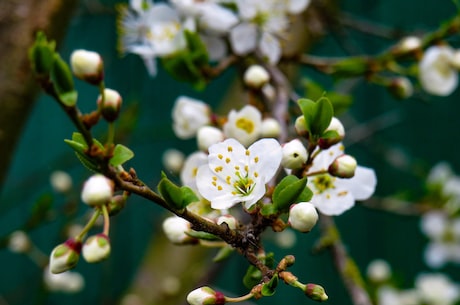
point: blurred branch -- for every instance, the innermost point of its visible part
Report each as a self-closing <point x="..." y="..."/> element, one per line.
<point x="19" y="20"/>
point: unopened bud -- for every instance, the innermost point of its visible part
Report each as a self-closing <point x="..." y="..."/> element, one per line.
<point x="110" y="105"/>
<point x="97" y="190"/>
<point x="301" y="126"/>
<point x="176" y="229"/>
<point x="294" y="154"/>
<point x="87" y="65"/>
<point x="116" y="204"/>
<point x="96" y="248"/>
<point x="408" y="44"/>
<point x="205" y="296"/>
<point x="303" y="216"/>
<point x="19" y="242"/>
<point x="316" y="292"/>
<point x="401" y="87"/>
<point x="65" y="256"/>
<point x="334" y="125"/>
<point x="61" y="181"/>
<point x="378" y="271"/>
<point x="344" y="166"/>
<point x="173" y="160"/>
<point x="270" y="128"/>
<point x="256" y="77"/>
<point x="207" y="136"/>
<point x="228" y="219"/>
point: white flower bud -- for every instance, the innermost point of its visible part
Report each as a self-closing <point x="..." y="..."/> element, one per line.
<point x="111" y="106"/>
<point x="270" y="128"/>
<point x="409" y="44"/>
<point x="175" y="229"/>
<point x="334" y="125"/>
<point x="188" y="116"/>
<point x="87" y="65"/>
<point x="207" y="136"/>
<point x="244" y="125"/>
<point x="96" y="248"/>
<point x="173" y="160"/>
<point x="344" y="166"/>
<point x="303" y="216"/>
<point x="256" y="76"/>
<point x="379" y="271"/>
<point x="19" y="242"/>
<point x="61" y="181"/>
<point x="205" y="296"/>
<point x="401" y="87"/>
<point x="294" y="154"/>
<point x="65" y="256"/>
<point x="301" y="126"/>
<point x="228" y="219"/>
<point x="68" y="282"/>
<point x="97" y="190"/>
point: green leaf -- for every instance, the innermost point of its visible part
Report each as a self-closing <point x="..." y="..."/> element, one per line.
<point x="121" y="154"/>
<point x="223" y="254"/>
<point x="61" y="75"/>
<point x="305" y="196"/>
<point x="287" y="192"/>
<point x="269" y="288"/>
<point x="252" y="277"/>
<point x="188" y="195"/>
<point x="203" y="235"/>
<point x="175" y="196"/>
<point x="41" y="55"/>
<point x="323" y="115"/>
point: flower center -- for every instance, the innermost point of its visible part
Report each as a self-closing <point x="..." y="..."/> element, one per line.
<point x="323" y="182"/>
<point x="245" y="124"/>
<point x="243" y="186"/>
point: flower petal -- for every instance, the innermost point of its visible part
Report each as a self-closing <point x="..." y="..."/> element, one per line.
<point x="363" y="183"/>
<point x="243" y="38"/>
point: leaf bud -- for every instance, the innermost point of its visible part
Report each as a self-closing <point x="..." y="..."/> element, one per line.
<point x="65" y="256"/>
<point x="87" y="66"/>
<point x="97" y="190"/>
<point x="110" y="105"/>
<point x="303" y="216"/>
<point x="256" y="77"/>
<point x="315" y="292"/>
<point x="294" y="154"/>
<point x="205" y="296"/>
<point x="344" y="166"/>
<point x="207" y="136"/>
<point x="96" y="248"/>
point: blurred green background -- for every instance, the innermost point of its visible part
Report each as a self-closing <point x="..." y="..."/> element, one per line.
<point x="425" y="132"/>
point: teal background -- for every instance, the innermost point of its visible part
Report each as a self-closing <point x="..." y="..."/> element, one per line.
<point x="426" y="133"/>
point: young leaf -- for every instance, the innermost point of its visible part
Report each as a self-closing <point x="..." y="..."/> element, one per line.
<point x="252" y="277"/>
<point x="121" y="154"/>
<point x="269" y="288"/>
<point x="287" y="192"/>
<point x="175" y="196"/>
<point x="203" y="235"/>
<point x="223" y="254"/>
<point x="322" y="116"/>
<point x="41" y="55"/>
<point x="61" y="75"/>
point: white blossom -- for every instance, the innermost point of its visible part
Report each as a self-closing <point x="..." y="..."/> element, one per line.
<point x="235" y="174"/>
<point x="436" y="73"/>
<point x="244" y="125"/>
<point x="437" y="289"/>
<point x="97" y="190"/>
<point x="207" y="136"/>
<point x="188" y="116"/>
<point x="190" y="168"/>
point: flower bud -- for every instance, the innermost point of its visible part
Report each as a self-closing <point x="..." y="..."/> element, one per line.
<point x="68" y="282"/>
<point x="19" y="242"/>
<point x="315" y="292"/>
<point x="401" y="87"/>
<point x="65" y="256"/>
<point x="61" y="181"/>
<point x="378" y="271"/>
<point x="270" y="128"/>
<point x="294" y="155"/>
<point x="173" y="160"/>
<point x="301" y="126"/>
<point x="344" y="166"/>
<point x="207" y="136"/>
<point x="205" y="296"/>
<point x="303" y="216"/>
<point x="97" y="190"/>
<point x="96" y="248"/>
<point x="116" y="204"/>
<point x="334" y="125"/>
<point x="256" y="77"/>
<point x="409" y="44"/>
<point x="110" y="106"/>
<point x="175" y="229"/>
<point x="87" y="65"/>
<point x="188" y="116"/>
<point x="228" y="219"/>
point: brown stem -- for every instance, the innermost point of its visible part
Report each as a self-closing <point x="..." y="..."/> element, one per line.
<point x="345" y="265"/>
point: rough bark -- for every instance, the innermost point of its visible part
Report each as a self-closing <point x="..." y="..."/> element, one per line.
<point x="19" y="21"/>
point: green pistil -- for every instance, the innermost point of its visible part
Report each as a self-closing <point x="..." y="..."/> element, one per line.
<point x="323" y="182"/>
